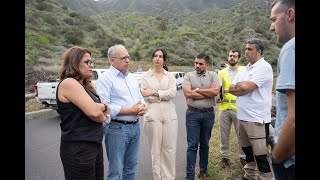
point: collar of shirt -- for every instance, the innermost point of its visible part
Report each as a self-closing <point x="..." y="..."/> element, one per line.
<point x="151" y="72"/>
<point x="116" y="71"/>
<point x="249" y="66"/>
<point x="202" y="74"/>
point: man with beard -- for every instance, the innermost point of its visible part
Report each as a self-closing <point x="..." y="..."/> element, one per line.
<point x="200" y="88"/>
<point x="228" y="113"/>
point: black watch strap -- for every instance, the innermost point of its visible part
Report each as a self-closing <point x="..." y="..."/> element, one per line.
<point x="105" y="108"/>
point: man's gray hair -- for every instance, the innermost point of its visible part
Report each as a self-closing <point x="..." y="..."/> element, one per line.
<point x="112" y="50"/>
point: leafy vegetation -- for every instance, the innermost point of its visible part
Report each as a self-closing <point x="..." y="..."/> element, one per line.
<point x="183" y="27"/>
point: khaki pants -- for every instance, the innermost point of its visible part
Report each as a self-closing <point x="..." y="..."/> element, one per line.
<point x="162" y="135"/>
<point x="226" y="118"/>
<point x="252" y="136"/>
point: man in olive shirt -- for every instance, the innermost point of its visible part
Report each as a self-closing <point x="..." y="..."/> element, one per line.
<point x="199" y="87"/>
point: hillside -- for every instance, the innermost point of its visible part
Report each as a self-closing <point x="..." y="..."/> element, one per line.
<point x="185" y="29"/>
<point x="160" y="7"/>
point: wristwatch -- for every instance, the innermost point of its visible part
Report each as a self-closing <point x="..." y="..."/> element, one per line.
<point x="105" y="108"/>
<point x="156" y="93"/>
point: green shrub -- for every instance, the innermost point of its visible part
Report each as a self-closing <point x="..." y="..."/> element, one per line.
<point x="41" y="40"/>
<point x="74" y="36"/>
<point x="91" y="27"/>
<point x="65" y="7"/>
<point x="69" y="21"/>
<point x="73" y="14"/>
<point x="51" y="20"/>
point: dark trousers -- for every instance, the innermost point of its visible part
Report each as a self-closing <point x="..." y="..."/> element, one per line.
<point x="199" y="126"/>
<point x="82" y="160"/>
<point x="282" y="173"/>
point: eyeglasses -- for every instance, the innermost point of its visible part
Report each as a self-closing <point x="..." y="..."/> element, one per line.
<point x="123" y="58"/>
<point x="89" y="62"/>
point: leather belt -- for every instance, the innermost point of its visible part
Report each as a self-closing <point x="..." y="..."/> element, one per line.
<point x="201" y="110"/>
<point x="125" y="122"/>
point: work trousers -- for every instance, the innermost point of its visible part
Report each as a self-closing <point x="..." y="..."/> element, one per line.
<point x="252" y="138"/>
<point x="226" y="118"/>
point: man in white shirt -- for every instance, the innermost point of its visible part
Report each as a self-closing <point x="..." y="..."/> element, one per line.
<point x="253" y="86"/>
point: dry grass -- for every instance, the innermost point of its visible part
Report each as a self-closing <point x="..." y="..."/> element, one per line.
<point x="214" y="171"/>
<point x="32" y="105"/>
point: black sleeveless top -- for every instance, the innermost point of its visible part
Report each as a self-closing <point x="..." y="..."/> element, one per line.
<point x="75" y="125"/>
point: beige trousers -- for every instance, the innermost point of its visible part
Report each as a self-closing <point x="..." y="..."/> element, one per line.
<point x="226" y="118"/>
<point x="253" y="134"/>
<point x="161" y="127"/>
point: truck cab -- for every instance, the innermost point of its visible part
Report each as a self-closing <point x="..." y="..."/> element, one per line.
<point x="45" y="91"/>
<point x="179" y="78"/>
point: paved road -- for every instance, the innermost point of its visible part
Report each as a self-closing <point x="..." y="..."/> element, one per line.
<point x="42" y="142"/>
<point x="42" y="160"/>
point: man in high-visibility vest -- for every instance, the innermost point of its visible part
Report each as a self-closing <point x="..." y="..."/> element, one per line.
<point x="227" y="113"/>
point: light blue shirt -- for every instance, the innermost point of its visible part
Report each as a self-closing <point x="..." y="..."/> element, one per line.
<point x="119" y="91"/>
<point x="285" y="80"/>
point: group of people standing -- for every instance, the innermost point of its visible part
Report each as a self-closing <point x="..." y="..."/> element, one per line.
<point x="111" y="110"/>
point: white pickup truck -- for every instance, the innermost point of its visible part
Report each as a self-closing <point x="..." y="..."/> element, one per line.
<point x="45" y="92"/>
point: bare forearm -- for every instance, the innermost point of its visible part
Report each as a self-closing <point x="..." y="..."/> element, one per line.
<point x="242" y="88"/>
<point x="137" y="109"/>
<point x="194" y="95"/>
<point x="285" y="146"/>
<point x="210" y="92"/>
<point x="234" y="90"/>
<point x="207" y="92"/>
<point x="126" y="111"/>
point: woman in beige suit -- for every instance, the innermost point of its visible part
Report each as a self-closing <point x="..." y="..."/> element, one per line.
<point x="158" y="87"/>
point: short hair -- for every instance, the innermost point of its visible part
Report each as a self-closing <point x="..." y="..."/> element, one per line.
<point x="203" y="56"/>
<point x="284" y="4"/>
<point x="236" y="50"/>
<point x="258" y="43"/>
<point x="112" y="50"/>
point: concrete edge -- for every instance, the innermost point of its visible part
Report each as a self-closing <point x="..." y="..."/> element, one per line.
<point x="42" y="111"/>
<point x="40" y="114"/>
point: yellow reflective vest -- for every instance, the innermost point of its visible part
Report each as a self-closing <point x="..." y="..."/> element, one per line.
<point x="229" y="100"/>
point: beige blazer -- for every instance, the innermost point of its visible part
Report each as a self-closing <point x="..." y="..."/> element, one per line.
<point x="160" y="108"/>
